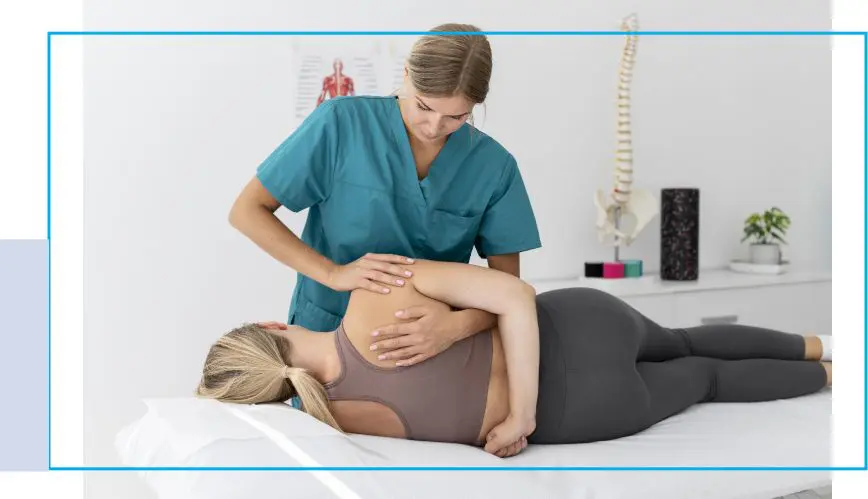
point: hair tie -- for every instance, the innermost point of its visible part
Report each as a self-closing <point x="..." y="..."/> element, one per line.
<point x="286" y="372"/>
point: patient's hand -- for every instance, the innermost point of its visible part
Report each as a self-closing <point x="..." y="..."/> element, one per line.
<point x="429" y="331"/>
<point x="509" y="437"/>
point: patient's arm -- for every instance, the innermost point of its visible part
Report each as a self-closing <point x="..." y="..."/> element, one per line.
<point x="512" y="300"/>
<point x="474" y="320"/>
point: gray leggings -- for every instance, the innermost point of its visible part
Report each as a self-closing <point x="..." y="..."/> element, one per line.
<point x="607" y="371"/>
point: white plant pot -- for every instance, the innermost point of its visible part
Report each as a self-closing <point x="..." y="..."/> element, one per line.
<point x="765" y="253"/>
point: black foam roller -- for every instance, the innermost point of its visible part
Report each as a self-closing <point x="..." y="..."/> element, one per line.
<point x="679" y="234"/>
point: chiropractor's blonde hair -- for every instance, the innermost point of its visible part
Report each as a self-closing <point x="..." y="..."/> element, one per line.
<point x="453" y="64"/>
<point x="246" y="366"/>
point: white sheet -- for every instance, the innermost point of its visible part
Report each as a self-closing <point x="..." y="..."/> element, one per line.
<point x="191" y="432"/>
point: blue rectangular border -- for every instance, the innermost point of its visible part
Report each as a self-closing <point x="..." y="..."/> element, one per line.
<point x="864" y="36"/>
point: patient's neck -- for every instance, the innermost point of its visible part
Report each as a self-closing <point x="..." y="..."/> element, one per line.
<point x="313" y="351"/>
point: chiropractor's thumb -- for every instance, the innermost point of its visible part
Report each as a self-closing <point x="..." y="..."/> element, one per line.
<point x="413" y="312"/>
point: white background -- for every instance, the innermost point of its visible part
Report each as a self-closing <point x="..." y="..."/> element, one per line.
<point x="216" y="108"/>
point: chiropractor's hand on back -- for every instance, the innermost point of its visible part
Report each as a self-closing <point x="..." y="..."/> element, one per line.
<point x="427" y="331"/>
<point x="374" y="272"/>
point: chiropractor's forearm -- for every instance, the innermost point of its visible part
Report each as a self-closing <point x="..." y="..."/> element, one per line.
<point x="262" y="227"/>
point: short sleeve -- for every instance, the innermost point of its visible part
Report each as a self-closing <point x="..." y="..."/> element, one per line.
<point x="508" y="224"/>
<point x="299" y="172"/>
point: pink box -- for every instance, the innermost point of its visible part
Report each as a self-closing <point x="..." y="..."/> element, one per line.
<point x="613" y="270"/>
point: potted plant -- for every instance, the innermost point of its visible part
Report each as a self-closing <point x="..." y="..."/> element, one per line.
<point x="766" y="232"/>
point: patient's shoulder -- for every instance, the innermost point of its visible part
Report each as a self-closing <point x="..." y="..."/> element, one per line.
<point x="368" y="311"/>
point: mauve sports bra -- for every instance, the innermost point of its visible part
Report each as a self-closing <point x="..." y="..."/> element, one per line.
<point x="440" y="400"/>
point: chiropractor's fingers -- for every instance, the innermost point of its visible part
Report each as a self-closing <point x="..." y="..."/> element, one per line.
<point x="412" y="312"/>
<point x="386" y="263"/>
<point x="400" y="356"/>
<point x="387" y="257"/>
<point x="376" y="275"/>
<point x="393" y="330"/>
<point x="394" y="270"/>
<point x="370" y="285"/>
<point x="394" y="343"/>
<point x="412" y="360"/>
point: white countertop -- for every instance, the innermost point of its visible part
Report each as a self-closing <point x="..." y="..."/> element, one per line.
<point x="709" y="279"/>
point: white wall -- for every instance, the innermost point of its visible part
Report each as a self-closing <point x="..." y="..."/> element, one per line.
<point x="174" y="127"/>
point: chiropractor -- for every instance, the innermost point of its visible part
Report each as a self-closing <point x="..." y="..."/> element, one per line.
<point x="388" y="179"/>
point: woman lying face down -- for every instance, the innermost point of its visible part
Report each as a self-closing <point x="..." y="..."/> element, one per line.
<point x="567" y="366"/>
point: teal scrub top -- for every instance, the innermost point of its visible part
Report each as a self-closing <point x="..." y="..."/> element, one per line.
<point x="350" y="162"/>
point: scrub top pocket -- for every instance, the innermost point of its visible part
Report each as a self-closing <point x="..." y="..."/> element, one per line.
<point x="452" y="235"/>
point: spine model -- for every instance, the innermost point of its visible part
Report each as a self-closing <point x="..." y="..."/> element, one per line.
<point x="624" y="204"/>
<point x="624" y="153"/>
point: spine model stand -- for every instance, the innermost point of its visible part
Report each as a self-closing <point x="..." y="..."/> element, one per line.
<point x="623" y="203"/>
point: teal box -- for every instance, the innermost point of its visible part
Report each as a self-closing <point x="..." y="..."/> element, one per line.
<point x="632" y="268"/>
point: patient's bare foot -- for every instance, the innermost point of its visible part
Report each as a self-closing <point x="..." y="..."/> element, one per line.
<point x="828" y="367"/>
<point x="819" y="347"/>
<point x="813" y="348"/>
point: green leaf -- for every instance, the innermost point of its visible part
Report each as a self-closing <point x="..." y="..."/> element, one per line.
<point x="753" y="231"/>
<point x="778" y="236"/>
<point x="767" y="226"/>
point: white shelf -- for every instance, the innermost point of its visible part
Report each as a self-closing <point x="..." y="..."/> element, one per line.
<point x="709" y="279"/>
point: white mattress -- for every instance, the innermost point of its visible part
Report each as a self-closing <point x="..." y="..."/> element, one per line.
<point x="192" y="433"/>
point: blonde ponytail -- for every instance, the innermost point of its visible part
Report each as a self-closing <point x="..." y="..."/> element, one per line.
<point x="246" y="366"/>
<point x="314" y="400"/>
